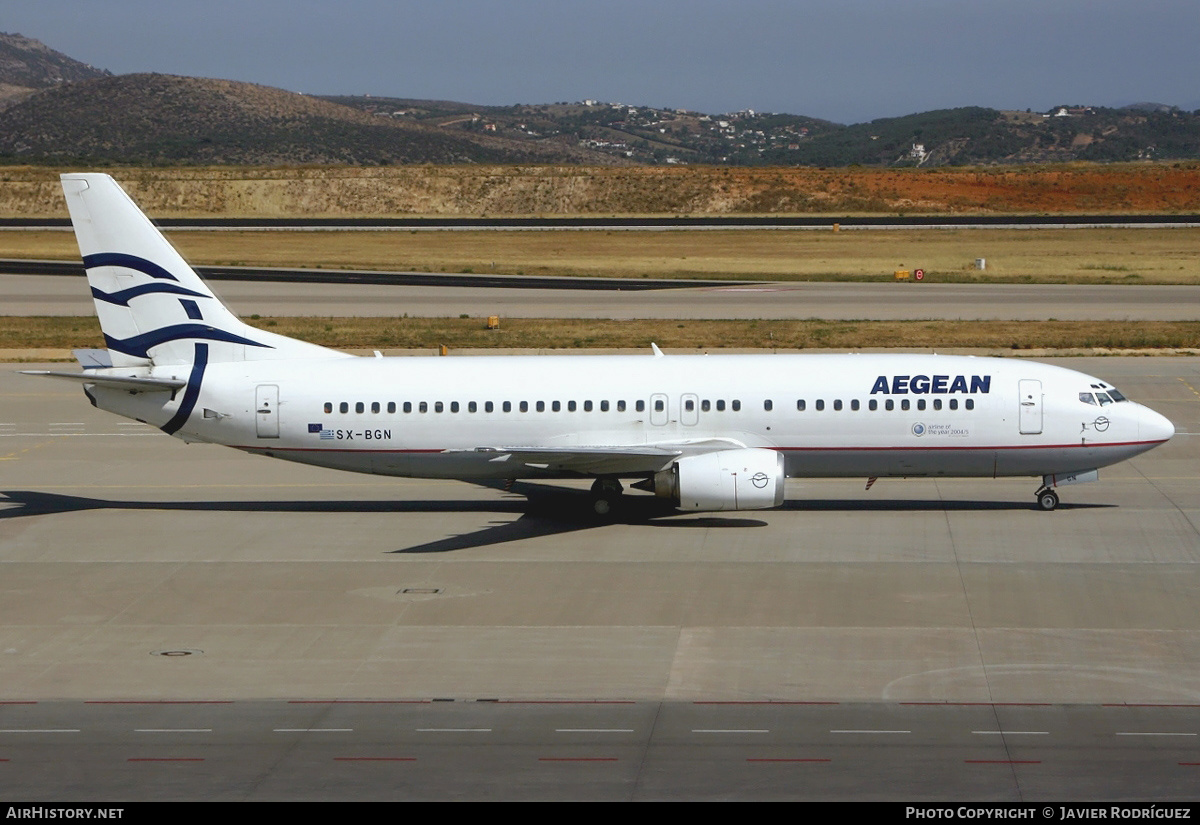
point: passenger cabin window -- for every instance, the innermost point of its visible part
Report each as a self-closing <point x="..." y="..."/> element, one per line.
<point x="640" y="405"/>
<point x="621" y="406"/>
<point x="423" y="407"/>
<point x="767" y="405"/>
<point x="391" y="408"/>
<point x="854" y="405"/>
<point x="408" y="406"/>
<point x="358" y="407"/>
<point x="375" y="407"/>
<point x="820" y="405"/>
<point x="328" y="406"/>
<point x="735" y="405"/>
<point x="344" y="407"/>
<point x="837" y="405"/>
<point x="720" y="405"/>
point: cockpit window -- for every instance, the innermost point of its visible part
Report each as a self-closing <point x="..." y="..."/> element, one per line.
<point x="1113" y="395"/>
<point x="1087" y="398"/>
<point x="1103" y="398"/>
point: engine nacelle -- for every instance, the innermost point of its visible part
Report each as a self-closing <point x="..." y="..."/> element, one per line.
<point x="746" y="479"/>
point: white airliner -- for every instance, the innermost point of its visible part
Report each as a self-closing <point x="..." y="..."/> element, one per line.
<point x="708" y="432"/>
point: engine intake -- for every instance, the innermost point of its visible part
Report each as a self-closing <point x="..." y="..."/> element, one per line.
<point x="748" y="479"/>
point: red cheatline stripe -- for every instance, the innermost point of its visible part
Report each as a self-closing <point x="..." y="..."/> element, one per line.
<point x="18" y="702"/>
<point x="789" y="760"/>
<point x="359" y="701"/>
<point x="764" y="702"/>
<point x="158" y="702"/>
<point x="577" y="759"/>
<point x="1188" y="764"/>
<point x="566" y="702"/>
<point x="1003" y="761"/>
<point x="166" y="759"/>
<point x="989" y="448"/>
<point x="982" y="704"/>
<point x="1146" y="705"/>
<point x="894" y="448"/>
<point x="374" y="759"/>
<point x="367" y="451"/>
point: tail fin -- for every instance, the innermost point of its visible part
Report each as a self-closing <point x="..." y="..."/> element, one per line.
<point x="154" y="309"/>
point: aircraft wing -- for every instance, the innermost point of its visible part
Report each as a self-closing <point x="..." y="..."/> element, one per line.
<point x="607" y="460"/>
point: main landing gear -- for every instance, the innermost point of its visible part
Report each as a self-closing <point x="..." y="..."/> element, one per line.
<point x="1047" y="499"/>
<point x="606" y="495"/>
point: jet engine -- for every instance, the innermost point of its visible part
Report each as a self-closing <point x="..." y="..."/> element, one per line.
<point x="746" y="479"/>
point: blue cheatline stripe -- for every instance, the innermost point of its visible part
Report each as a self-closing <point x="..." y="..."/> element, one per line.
<point x="129" y="262"/>
<point x="139" y="345"/>
<point x="123" y="297"/>
<point x="191" y="393"/>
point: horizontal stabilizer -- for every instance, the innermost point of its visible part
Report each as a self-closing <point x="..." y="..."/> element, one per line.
<point x="119" y="382"/>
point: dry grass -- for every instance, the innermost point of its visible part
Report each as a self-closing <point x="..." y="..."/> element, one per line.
<point x="417" y="333"/>
<point x="1134" y="256"/>
<point x="489" y="190"/>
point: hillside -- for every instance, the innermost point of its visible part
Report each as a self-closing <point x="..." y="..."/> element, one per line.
<point x="643" y="134"/>
<point x="948" y="137"/>
<point x="976" y="135"/>
<point x="56" y="110"/>
<point x="153" y="119"/>
<point x="27" y="65"/>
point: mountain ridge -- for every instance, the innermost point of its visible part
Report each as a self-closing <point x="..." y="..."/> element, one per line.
<point x="56" y="110"/>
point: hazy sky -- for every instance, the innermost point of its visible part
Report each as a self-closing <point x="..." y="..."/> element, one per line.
<point x="843" y="60"/>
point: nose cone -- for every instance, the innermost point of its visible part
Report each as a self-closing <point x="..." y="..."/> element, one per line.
<point x="1154" y="427"/>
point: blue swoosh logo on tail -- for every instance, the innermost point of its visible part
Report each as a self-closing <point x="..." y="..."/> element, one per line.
<point x="139" y="345"/>
<point x="123" y="297"/>
<point x="129" y="262"/>
<point x="191" y="394"/>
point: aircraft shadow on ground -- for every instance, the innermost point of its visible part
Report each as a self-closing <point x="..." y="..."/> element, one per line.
<point x="541" y="510"/>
